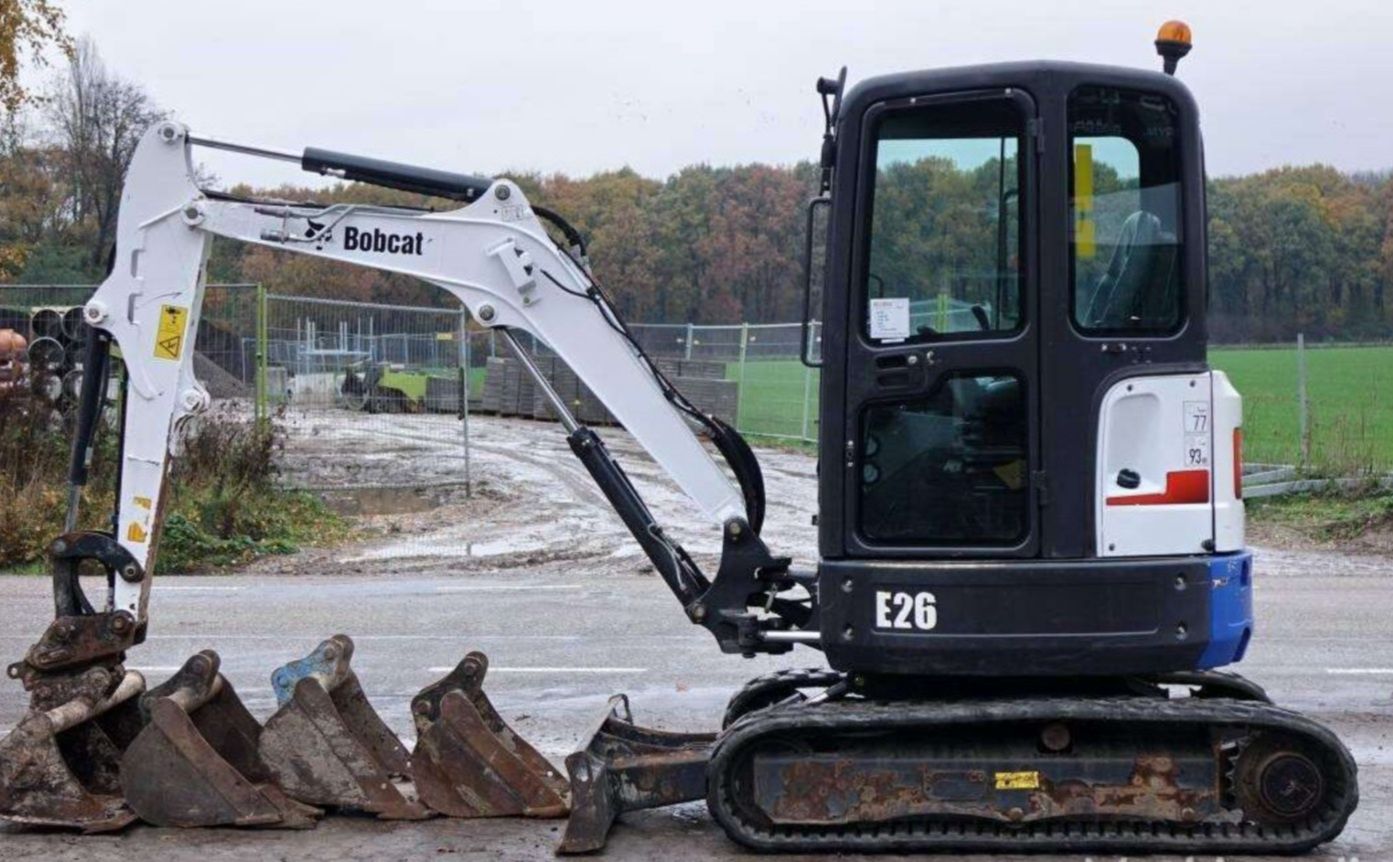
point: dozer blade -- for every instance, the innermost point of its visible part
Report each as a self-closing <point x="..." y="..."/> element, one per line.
<point x="468" y="762"/>
<point x="327" y="746"/>
<point x="196" y="762"/>
<point x="624" y="767"/>
<point x="57" y="767"/>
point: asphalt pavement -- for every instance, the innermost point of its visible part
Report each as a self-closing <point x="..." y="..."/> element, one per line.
<point x="561" y="640"/>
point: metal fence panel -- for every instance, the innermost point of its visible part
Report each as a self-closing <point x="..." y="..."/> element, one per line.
<point x="225" y="347"/>
<point x="355" y="382"/>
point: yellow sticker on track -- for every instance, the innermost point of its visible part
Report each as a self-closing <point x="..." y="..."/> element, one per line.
<point x="1017" y="781"/>
<point x="169" y="338"/>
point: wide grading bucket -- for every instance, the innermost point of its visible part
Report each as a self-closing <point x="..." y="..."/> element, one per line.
<point x="197" y="761"/>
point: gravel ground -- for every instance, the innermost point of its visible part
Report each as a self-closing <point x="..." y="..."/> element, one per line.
<point x="535" y="571"/>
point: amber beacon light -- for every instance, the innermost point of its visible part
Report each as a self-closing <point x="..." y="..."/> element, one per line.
<point x="1172" y="43"/>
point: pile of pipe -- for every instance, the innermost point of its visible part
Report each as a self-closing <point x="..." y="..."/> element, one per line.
<point x="56" y="344"/>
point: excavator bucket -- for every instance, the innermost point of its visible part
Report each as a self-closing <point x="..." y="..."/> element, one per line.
<point x="326" y="746"/>
<point x="59" y="766"/>
<point x="196" y="762"/>
<point x="468" y="762"/>
<point x="625" y="767"/>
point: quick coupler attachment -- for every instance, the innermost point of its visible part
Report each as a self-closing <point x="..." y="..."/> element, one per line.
<point x="59" y="766"/>
<point x="624" y="767"/>
<point x="327" y="746"/>
<point x="196" y="763"/>
<point x="468" y="762"/>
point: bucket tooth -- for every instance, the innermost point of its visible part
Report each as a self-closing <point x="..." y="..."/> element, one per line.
<point x="57" y="765"/>
<point x="196" y="763"/>
<point x="624" y="767"/>
<point x="468" y="762"/>
<point x="327" y="746"/>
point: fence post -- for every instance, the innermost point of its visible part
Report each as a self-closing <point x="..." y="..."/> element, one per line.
<point x="1301" y="400"/>
<point x="740" y="374"/>
<point x="807" y="398"/>
<point x="688" y="350"/>
<point x="464" y="398"/>
<point x="262" y="328"/>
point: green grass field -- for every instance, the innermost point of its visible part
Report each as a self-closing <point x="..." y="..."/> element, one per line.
<point x="1350" y="391"/>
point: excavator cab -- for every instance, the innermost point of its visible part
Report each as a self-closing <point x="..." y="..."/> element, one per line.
<point x="1030" y="516"/>
<point x="1014" y="292"/>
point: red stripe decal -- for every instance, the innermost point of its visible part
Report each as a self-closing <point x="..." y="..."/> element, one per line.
<point x="1182" y="486"/>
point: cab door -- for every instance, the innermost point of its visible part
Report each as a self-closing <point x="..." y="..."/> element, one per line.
<point x="939" y="436"/>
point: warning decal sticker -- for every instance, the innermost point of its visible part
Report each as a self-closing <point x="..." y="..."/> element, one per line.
<point x="169" y="339"/>
<point x="1017" y="781"/>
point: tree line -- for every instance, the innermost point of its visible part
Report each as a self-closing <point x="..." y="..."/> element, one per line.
<point x="1295" y="249"/>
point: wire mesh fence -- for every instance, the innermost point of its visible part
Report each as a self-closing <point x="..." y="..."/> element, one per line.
<point x="356" y="383"/>
<point x="777" y="395"/>
<point x="47" y="320"/>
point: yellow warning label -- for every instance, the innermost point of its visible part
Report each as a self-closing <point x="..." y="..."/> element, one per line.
<point x="142" y="502"/>
<point x="169" y="339"/>
<point x="1012" y="475"/>
<point x="1085" y="235"/>
<point x="136" y="533"/>
<point x="1017" y="781"/>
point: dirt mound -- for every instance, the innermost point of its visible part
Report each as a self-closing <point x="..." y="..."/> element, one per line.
<point x="216" y="379"/>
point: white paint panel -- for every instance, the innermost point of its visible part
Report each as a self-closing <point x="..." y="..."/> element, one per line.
<point x="1154" y="426"/>
<point x="1229" y="517"/>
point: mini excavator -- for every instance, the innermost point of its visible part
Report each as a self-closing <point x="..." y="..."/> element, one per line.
<point x="1031" y="531"/>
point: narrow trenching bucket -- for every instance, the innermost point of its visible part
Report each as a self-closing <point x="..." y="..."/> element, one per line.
<point x="327" y="746"/>
<point x="59" y="766"/>
<point x="469" y="763"/>
<point x="196" y="762"/>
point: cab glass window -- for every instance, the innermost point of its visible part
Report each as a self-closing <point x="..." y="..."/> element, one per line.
<point x="944" y="257"/>
<point x="948" y="468"/>
<point x="1125" y="245"/>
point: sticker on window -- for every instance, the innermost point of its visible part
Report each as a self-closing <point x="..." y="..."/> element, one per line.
<point x="890" y="318"/>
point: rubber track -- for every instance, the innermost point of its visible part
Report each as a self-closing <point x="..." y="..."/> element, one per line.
<point x="974" y="835"/>
<point x="789" y="681"/>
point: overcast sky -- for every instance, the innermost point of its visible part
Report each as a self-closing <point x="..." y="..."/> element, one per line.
<point x="588" y="85"/>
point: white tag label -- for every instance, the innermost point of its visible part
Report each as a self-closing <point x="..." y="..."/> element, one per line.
<point x="1196" y="450"/>
<point x="890" y="318"/>
<point x="1196" y="417"/>
<point x="1197" y="432"/>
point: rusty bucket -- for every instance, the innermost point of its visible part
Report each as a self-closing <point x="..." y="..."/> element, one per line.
<point x="468" y="762"/>
<point x="196" y="763"/>
<point x="625" y="767"/>
<point x="59" y="766"/>
<point x="327" y="746"/>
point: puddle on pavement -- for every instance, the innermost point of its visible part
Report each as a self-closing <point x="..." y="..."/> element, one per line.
<point x="385" y="500"/>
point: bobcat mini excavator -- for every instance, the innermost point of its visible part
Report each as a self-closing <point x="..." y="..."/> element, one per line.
<point x="1031" y="551"/>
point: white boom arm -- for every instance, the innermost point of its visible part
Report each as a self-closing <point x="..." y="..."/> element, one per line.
<point x="492" y="254"/>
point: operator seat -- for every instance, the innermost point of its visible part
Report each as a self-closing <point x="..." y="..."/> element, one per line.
<point x="1144" y="256"/>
